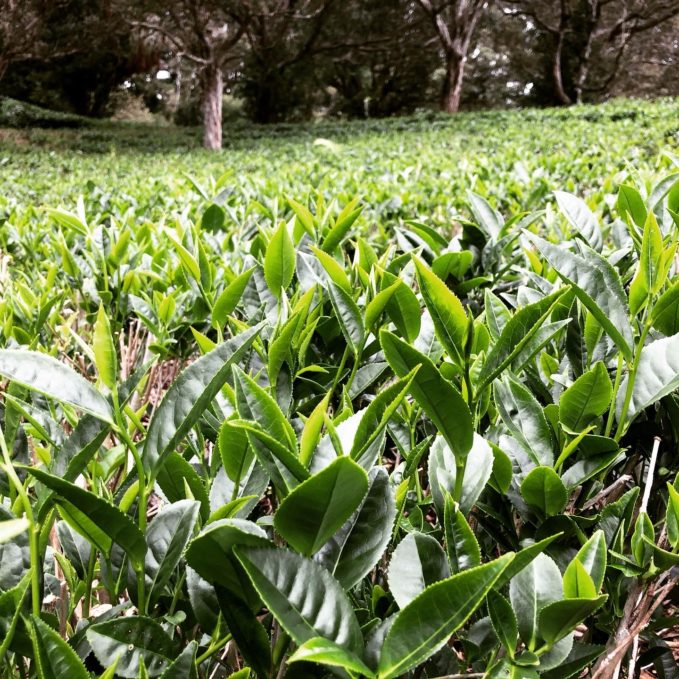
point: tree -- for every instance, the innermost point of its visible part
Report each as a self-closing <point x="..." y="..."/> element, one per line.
<point x="651" y="64"/>
<point x="589" y="38"/>
<point x="21" y="32"/>
<point x="205" y="32"/>
<point x="454" y="22"/>
<point x="283" y="38"/>
<point x="383" y="70"/>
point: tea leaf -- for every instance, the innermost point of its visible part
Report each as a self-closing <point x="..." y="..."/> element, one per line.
<point x="189" y="395"/>
<point x="95" y="519"/>
<point x="305" y="599"/>
<point x="54" y="657"/>
<point x="442" y="402"/>
<point x="48" y="376"/>
<point x="279" y="261"/>
<point x="130" y="642"/>
<point x="597" y="286"/>
<point x="586" y="399"/>
<point x="426" y="623"/>
<point x="326" y="652"/>
<point x="309" y="516"/>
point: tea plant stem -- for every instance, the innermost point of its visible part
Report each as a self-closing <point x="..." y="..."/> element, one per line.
<point x="214" y="648"/>
<point x="34" y="546"/>
<point x="279" y="650"/>
<point x="632" y="373"/>
<point x="643" y="508"/>
<point x="88" y="583"/>
<point x="460" y="466"/>
<point x="340" y="369"/>
<point x="633" y="656"/>
<point x="650" y="474"/>
<point x="33" y="528"/>
<point x="470" y="391"/>
<point x="143" y="496"/>
<point x="616" y="387"/>
<point x="354" y="369"/>
<point x="177" y="592"/>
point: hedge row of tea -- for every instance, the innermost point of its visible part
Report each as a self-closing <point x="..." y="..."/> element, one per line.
<point x="376" y="406"/>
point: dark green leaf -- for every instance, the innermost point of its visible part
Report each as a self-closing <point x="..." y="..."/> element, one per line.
<point x="427" y="622"/>
<point x="417" y="562"/>
<point x="52" y="378"/>
<point x="248" y="632"/>
<point x="254" y="403"/>
<point x="516" y="334"/>
<point x="486" y="217"/>
<point x="235" y="451"/>
<point x="578" y="659"/>
<point x="210" y="554"/>
<point x="403" y="308"/>
<point x="524" y="417"/>
<point x="530" y="590"/>
<point x="657" y="375"/>
<point x="176" y="475"/>
<point x="447" y="312"/>
<point x="559" y="618"/>
<point x="461" y="544"/>
<point x="55" y="659"/>
<point x="348" y="316"/>
<point x="542" y="488"/>
<point x="132" y="641"/>
<point x="580" y="218"/>
<point x="184" y="665"/>
<point x="311" y="514"/>
<point x="503" y="620"/>
<point x="586" y="399"/>
<point x="97" y="520"/>
<point x="167" y="537"/>
<point x="597" y="285"/>
<point x="442" y="402"/>
<point x="305" y="599"/>
<point x="11" y="609"/>
<point x="443" y="473"/>
<point x="190" y="394"/>
<point x="358" y="545"/>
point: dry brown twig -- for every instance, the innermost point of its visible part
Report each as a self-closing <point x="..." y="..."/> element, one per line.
<point x="642" y="601"/>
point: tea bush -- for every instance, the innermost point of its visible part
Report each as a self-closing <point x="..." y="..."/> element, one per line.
<point x="373" y="406"/>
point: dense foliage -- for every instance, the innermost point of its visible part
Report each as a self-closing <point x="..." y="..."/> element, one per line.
<point x="299" y="59"/>
<point x="398" y="404"/>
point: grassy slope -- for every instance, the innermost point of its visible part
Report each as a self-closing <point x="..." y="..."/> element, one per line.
<point x="403" y="168"/>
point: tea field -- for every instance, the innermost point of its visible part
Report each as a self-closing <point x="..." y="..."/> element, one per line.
<point x="374" y="399"/>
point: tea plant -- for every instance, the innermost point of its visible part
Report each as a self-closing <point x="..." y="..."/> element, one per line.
<point x="275" y="440"/>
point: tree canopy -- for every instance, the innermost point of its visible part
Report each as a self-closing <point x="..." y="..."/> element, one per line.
<point x="293" y="59"/>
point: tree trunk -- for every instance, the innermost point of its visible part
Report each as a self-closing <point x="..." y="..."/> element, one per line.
<point x="213" y="86"/>
<point x="452" y="84"/>
<point x="560" y="90"/>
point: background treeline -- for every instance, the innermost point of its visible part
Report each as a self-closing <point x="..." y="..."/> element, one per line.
<point x="275" y="60"/>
